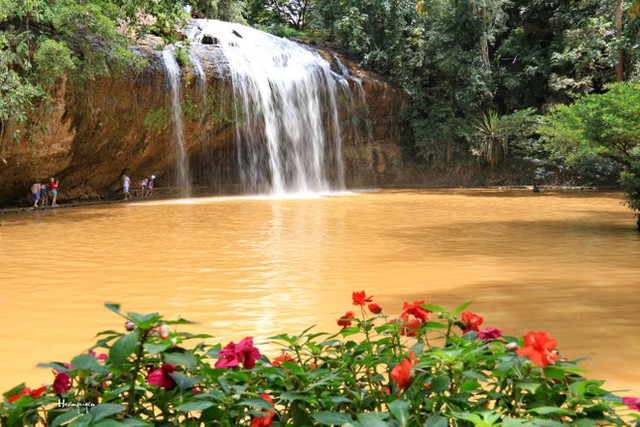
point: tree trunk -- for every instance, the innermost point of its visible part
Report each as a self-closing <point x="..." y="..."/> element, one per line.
<point x="620" y="64"/>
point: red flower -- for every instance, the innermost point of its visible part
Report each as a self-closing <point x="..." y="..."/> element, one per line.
<point x="401" y="373"/>
<point x="344" y="320"/>
<point x="415" y="310"/>
<point x="27" y="391"/>
<point x="409" y="326"/>
<point x="37" y="392"/>
<point x="284" y="357"/>
<point x="538" y="346"/>
<point x="266" y="420"/>
<point x="471" y="321"/>
<point x="375" y="308"/>
<point x="162" y="376"/>
<point x="360" y="298"/>
<point x="62" y="382"/>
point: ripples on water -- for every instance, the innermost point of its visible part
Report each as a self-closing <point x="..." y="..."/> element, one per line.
<point x="563" y="263"/>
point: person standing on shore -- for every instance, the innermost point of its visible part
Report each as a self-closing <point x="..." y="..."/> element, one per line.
<point x="126" y="183"/>
<point x="53" y="187"/>
<point x="44" y="195"/>
<point x="145" y="185"/>
<point x="150" y="185"/>
<point x="35" y="193"/>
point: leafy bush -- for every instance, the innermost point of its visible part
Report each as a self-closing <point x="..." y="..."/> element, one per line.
<point x="425" y="367"/>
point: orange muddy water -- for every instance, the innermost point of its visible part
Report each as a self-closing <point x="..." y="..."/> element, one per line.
<point x="564" y="263"/>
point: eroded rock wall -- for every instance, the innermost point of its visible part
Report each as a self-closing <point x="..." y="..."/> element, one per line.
<point x="89" y="134"/>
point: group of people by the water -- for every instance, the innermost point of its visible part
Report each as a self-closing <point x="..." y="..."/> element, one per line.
<point x="42" y="193"/>
<point x="146" y="187"/>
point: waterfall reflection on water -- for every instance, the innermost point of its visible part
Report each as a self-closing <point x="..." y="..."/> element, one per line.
<point x="563" y="263"/>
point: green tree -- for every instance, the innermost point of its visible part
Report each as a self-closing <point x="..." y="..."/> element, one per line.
<point x="601" y="125"/>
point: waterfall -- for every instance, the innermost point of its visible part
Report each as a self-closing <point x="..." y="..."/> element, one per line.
<point x="183" y="179"/>
<point x="288" y="135"/>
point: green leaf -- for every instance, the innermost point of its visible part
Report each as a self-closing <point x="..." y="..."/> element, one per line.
<point x="195" y="405"/>
<point x="547" y="410"/>
<point x="440" y="384"/>
<point x="185" y="359"/>
<point x="332" y="418"/>
<point x="105" y="410"/>
<point x="259" y="403"/>
<point x="461" y="308"/>
<point x="434" y="308"/>
<point x="115" y="308"/>
<point x="400" y="410"/>
<point x="436" y="421"/>
<point x="373" y="419"/>
<point x="145" y="321"/>
<point x="123" y="347"/>
<point x="65" y="418"/>
<point x="155" y="348"/>
<point x="530" y="387"/>
<point x="180" y="322"/>
<point x="183" y="381"/>
<point x="108" y="423"/>
<point x="86" y="362"/>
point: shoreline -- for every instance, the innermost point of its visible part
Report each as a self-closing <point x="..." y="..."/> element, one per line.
<point x="169" y="193"/>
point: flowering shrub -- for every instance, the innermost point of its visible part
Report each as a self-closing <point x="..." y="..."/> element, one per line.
<point x="425" y="367"/>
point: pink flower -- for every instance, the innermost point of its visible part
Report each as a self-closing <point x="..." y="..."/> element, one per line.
<point x="233" y="354"/>
<point x="162" y="376"/>
<point x="228" y="357"/>
<point x="129" y="325"/>
<point x="631" y="402"/>
<point x="62" y="383"/>
<point x="100" y="356"/>
<point x="247" y="353"/>
<point x="489" y="334"/>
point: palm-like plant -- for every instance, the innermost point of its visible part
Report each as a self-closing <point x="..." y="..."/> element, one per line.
<point x="492" y="139"/>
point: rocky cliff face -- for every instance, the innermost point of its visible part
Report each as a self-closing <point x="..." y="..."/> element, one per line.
<point x="88" y="135"/>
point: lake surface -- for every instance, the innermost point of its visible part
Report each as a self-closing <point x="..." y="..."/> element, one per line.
<point x="564" y="263"/>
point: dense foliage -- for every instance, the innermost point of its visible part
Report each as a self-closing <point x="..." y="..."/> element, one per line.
<point x="477" y="71"/>
<point x="601" y="125"/>
<point x="426" y="366"/>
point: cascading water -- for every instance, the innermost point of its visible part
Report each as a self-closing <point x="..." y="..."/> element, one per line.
<point x="287" y="124"/>
<point x="183" y="179"/>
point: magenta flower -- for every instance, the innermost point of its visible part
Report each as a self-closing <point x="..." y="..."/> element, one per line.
<point x="632" y="402"/>
<point x="62" y="383"/>
<point x="162" y="376"/>
<point x="228" y="357"/>
<point x="489" y="334"/>
<point x="100" y="356"/>
<point x="247" y="353"/>
<point x="233" y="354"/>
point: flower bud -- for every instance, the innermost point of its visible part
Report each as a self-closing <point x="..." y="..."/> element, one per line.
<point x="129" y="325"/>
<point x="163" y="331"/>
<point x="512" y="346"/>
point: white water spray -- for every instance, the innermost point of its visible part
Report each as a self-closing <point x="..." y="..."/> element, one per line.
<point x="182" y="162"/>
<point x="287" y="124"/>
